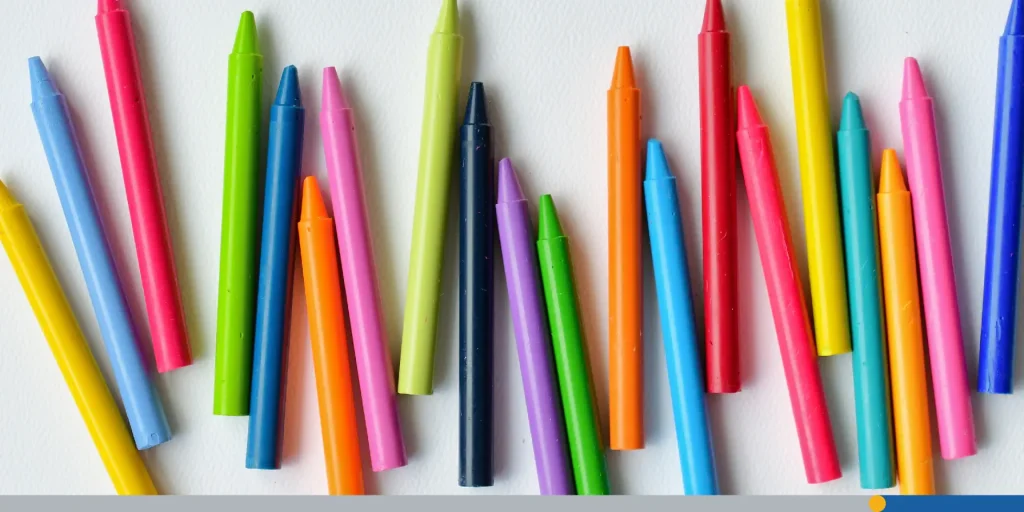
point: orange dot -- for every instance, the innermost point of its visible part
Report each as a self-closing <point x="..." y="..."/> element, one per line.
<point x="876" y="503"/>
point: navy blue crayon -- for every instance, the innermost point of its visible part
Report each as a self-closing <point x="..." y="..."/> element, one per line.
<point x="277" y="256"/>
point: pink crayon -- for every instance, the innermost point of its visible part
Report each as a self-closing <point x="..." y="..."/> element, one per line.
<point x="369" y="338"/>
<point x="938" y="280"/>
<point x="142" y="186"/>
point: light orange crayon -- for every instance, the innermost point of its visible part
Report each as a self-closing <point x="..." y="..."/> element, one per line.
<point x="330" y="344"/>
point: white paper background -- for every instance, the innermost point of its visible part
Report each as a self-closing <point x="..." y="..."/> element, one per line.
<point x="547" y="65"/>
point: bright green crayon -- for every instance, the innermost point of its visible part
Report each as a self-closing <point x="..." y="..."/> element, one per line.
<point x="240" y="225"/>
<point x="437" y="145"/>
<point x="570" y="355"/>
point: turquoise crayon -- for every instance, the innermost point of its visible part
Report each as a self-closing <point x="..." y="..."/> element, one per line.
<point x="870" y="365"/>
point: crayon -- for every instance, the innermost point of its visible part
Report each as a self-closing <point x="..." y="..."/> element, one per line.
<point x="870" y="367"/>
<point x="540" y="386"/>
<point x="64" y="336"/>
<point x="141" y="402"/>
<point x="277" y="264"/>
<point x="331" y="366"/>
<point x="426" y="257"/>
<point x="240" y="224"/>
<point x="906" y="339"/>
<point x="476" y="295"/>
<point x="938" y="278"/>
<point x="167" y="326"/>
<point x="785" y="292"/>
<point x="1002" y="262"/>
<point x="625" y="271"/>
<point x="679" y="330"/>
<point x="570" y="351"/>
<point x="818" y="178"/>
<point x="718" y="194"/>
<point x="359" y="274"/>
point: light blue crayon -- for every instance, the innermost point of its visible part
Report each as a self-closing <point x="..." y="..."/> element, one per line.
<point x="141" y="402"/>
<point x="685" y="374"/>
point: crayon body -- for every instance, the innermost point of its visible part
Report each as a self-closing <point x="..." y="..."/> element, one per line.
<point x="277" y="258"/>
<point x="792" y="325"/>
<point x="359" y="273"/>
<point x="625" y="271"/>
<point x="1002" y="262"/>
<point x="476" y="296"/>
<point x="818" y="178"/>
<point x="240" y="224"/>
<point x="168" y="330"/>
<point x="672" y="279"/>
<point x="60" y="327"/>
<point x="870" y="367"/>
<point x="718" y="202"/>
<point x="906" y="336"/>
<point x="331" y="366"/>
<point x="141" y="402"/>
<point x="938" y="279"/>
<point x="426" y="257"/>
<point x="543" y="403"/>
<point x="571" y="361"/>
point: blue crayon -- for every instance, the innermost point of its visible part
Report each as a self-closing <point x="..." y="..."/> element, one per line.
<point x="141" y="402"/>
<point x="999" y="309"/>
<point x="277" y="257"/>
<point x="685" y="374"/>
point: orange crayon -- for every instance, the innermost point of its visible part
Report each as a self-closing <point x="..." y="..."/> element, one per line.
<point x="625" y="273"/>
<point x="330" y="344"/>
<point x="906" y="340"/>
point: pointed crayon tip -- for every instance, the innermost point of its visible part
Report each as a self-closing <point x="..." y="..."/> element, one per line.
<point x="548" y="225"/>
<point x="448" y="19"/>
<point x="714" y="17"/>
<point x="891" y="179"/>
<point x="624" y="77"/>
<point x="1015" y="20"/>
<point x="746" y="109"/>
<point x="509" y="189"/>
<point x="853" y="116"/>
<point x="105" y="6"/>
<point x="657" y="163"/>
<point x="7" y="200"/>
<point x="312" y="200"/>
<point x="334" y="95"/>
<point x="246" y="39"/>
<point x="288" y="93"/>
<point x="913" y="81"/>
<point x="40" y="77"/>
<point x="476" y="105"/>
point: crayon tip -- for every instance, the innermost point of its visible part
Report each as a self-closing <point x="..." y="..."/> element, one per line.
<point x="105" y="6"/>
<point x="40" y="77"/>
<point x="891" y="179"/>
<point x="714" y="17"/>
<point x="624" y="77"/>
<point x="657" y="164"/>
<point x="288" y="93"/>
<point x="476" y="105"/>
<point x="246" y="40"/>
<point x="746" y="109"/>
<point x="7" y="200"/>
<point x="448" y="19"/>
<point x="548" y="225"/>
<point x="333" y="95"/>
<point x="853" y="116"/>
<point x="509" y="190"/>
<point x="1015" y="20"/>
<point x="913" y="82"/>
<point x="312" y="201"/>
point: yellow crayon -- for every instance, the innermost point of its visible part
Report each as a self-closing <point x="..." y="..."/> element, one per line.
<point x="95" y="403"/>
<point x="818" y="178"/>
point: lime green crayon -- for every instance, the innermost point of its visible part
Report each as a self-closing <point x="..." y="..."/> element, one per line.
<point x="581" y="423"/>
<point x="240" y="225"/>
<point x="440" y="127"/>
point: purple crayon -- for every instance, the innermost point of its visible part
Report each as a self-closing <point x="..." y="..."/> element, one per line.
<point x="529" y="320"/>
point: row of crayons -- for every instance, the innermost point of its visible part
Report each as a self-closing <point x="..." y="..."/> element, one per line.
<point x="864" y="264"/>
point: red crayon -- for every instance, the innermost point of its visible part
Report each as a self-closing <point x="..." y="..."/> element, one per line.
<point x="786" y="293"/>
<point x="142" y="187"/>
<point x="718" y="183"/>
